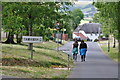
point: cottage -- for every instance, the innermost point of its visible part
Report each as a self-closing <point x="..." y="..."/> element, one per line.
<point x="90" y="30"/>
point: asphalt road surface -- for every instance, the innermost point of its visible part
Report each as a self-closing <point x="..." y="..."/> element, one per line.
<point x="97" y="64"/>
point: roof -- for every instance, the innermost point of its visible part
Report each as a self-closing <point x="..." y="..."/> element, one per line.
<point x="78" y="28"/>
<point x="81" y="35"/>
<point x="89" y="28"/>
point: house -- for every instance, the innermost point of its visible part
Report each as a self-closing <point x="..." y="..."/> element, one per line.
<point x="4" y="34"/>
<point x="79" y="34"/>
<point x="90" y="30"/>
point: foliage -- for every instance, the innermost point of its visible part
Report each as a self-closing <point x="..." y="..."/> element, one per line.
<point x="33" y="18"/>
<point x="77" y="16"/>
<point x="113" y="54"/>
<point x="96" y="40"/>
<point x="109" y="18"/>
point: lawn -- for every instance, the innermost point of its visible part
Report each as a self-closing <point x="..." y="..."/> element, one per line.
<point x="86" y="20"/>
<point x="16" y="61"/>
<point x="113" y="54"/>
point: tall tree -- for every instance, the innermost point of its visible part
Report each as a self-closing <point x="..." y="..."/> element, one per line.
<point x="77" y="16"/>
<point x="28" y="17"/>
<point x="12" y="22"/>
<point x="108" y="16"/>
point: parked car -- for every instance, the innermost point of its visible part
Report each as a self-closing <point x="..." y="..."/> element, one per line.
<point x="77" y="38"/>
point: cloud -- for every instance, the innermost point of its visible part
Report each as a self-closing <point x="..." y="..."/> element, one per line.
<point x="83" y="2"/>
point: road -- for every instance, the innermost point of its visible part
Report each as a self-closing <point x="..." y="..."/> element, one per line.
<point x="97" y="64"/>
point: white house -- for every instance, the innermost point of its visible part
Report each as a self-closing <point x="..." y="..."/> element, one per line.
<point x="89" y="30"/>
<point x="79" y="34"/>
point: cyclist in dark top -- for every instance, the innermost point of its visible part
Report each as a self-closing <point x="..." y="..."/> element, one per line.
<point x="75" y="50"/>
<point x="83" y="49"/>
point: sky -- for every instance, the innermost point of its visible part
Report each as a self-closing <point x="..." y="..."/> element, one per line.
<point x="83" y="2"/>
<point x="101" y="0"/>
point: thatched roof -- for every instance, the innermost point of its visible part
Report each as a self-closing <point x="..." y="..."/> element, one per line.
<point x="89" y="28"/>
<point x="78" y="28"/>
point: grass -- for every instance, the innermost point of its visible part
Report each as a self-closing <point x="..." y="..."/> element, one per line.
<point x="34" y="72"/>
<point x="113" y="54"/>
<point x="16" y="61"/>
<point x="85" y="20"/>
<point x="87" y="9"/>
<point x="47" y="45"/>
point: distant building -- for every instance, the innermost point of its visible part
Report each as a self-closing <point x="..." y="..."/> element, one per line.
<point x="79" y="34"/>
<point x="90" y="30"/>
<point x="4" y="34"/>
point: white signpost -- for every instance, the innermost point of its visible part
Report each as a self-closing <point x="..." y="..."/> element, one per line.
<point x="32" y="39"/>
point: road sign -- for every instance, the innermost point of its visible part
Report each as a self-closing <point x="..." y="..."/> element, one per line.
<point x="32" y="39"/>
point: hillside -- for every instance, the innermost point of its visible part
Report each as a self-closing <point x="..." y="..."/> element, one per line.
<point x="86" y="7"/>
<point x="16" y="61"/>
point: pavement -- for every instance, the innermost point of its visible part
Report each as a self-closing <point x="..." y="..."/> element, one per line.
<point x="67" y="48"/>
<point x="97" y="64"/>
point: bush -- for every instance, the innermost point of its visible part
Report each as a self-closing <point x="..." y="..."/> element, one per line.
<point x="96" y="40"/>
<point x="51" y="38"/>
<point x="46" y="38"/>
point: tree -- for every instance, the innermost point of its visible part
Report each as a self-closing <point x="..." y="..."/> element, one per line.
<point x="0" y="19"/>
<point x="12" y="22"/>
<point x="28" y="18"/>
<point x="77" y="16"/>
<point x="108" y="16"/>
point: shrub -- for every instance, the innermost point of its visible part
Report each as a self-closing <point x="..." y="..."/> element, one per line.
<point x="96" y="40"/>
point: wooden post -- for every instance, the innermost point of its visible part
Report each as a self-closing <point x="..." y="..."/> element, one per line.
<point x="114" y="43"/>
<point x="119" y="40"/>
<point x="119" y="45"/>
<point x="108" y="44"/>
<point x="68" y="61"/>
<point x="31" y="52"/>
<point x="58" y="40"/>
<point x="30" y="45"/>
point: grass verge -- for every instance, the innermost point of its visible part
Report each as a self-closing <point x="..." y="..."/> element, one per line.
<point x="16" y="61"/>
<point x="113" y="54"/>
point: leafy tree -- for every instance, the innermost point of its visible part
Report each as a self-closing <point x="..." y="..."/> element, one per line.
<point x="31" y="18"/>
<point x="12" y="22"/>
<point x="108" y="16"/>
<point x="77" y="16"/>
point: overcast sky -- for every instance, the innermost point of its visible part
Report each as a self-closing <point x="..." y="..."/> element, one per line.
<point x="85" y="0"/>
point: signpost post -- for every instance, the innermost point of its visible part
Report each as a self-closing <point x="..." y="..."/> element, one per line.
<point x="63" y="34"/>
<point x="32" y="39"/>
<point x="57" y="27"/>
